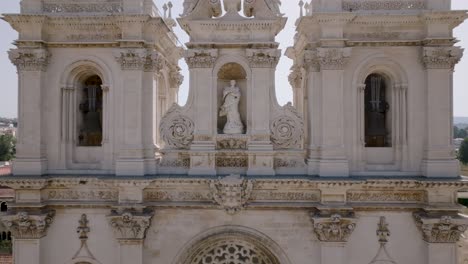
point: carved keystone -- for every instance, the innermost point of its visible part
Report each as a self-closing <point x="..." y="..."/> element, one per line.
<point x="130" y="225"/>
<point x="333" y="227"/>
<point x="28" y="225"/>
<point x="231" y="192"/>
<point x="440" y="228"/>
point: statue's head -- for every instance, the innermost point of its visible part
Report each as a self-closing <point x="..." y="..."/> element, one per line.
<point x="233" y="82"/>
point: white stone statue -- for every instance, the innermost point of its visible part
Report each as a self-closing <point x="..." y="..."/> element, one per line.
<point x="230" y="109"/>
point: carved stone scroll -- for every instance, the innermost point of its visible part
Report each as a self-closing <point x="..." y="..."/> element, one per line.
<point x="28" y="225"/>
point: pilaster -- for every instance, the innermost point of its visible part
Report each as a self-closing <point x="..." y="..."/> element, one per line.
<point x="439" y="159"/>
<point x="31" y="64"/>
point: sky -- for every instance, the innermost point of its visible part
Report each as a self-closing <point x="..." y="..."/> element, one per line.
<point x="9" y="86"/>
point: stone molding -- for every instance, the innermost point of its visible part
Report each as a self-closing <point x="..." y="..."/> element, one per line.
<point x="263" y="58"/>
<point x="385" y="196"/>
<point x="109" y="6"/>
<point x="30" y="59"/>
<point x="199" y="58"/>
<point x="176" y="128"/>
<point x="28" y="225"/>
<point x="441" y="57"/>
<point x="440" y="227"/>
<point x="334" y="226"/>
<point x="130" y="225"/>
<point x="139" y="59"/>
<point x="333" y="58"/>
<point x="383" y="5"/>
<point x="287" y="128"/>
<point x="231" y="192"/>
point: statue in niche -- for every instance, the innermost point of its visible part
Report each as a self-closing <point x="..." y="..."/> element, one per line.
<point x="230" y="109"/>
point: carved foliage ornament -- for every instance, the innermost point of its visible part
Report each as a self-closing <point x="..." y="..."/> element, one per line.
<point x="333" y="228"/>
<point x="130" y="225"/>
<point x="441" y="57"/>
<point x="201" y="58"/>
<point x="287" y="128"/>
<point x="231" y="193"/>
<point x="177" y="129"/>
<point x="25" y="225"/>
<point x="107" y="6"/>
<point x="263" y="58"/>
<point x="440" y="229"/>
<point x="333" y="58"/>
<point x="30" y="59"/>
<point x="382" y="5"/>
<point x="139" y="59"/>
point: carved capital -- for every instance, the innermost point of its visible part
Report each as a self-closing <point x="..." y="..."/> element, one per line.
<point x="440" y="228"/>
<point x="333" y="58"/>
<point x="231" y="192"/>
<point x="28" y="225"/>
<point x="441" y="57"/>
<point x="333" y="227"/>
<point x="132" y="59"/>
<point x="201" y="58"/>
<point x="311" y="60"/>
<point x="259" y="58"/>
<point x="130" y="225"/>
<point x="154" y="62"/>
<point x="30" y="59"/>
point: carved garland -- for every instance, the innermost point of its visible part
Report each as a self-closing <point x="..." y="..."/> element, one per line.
<point x="177" y="129"/>
<point x="287" y="129"/>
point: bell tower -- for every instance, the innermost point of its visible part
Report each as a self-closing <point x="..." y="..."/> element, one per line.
<point x="232" y="122"/>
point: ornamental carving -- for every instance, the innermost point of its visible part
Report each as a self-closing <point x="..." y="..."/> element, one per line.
<point x="295" y="77"/>
<point x="176" y="79"/>
<point x="440" y="228"/>
<point x="232" y="143"/>
<point x="201" y="58"/>
<point x="382" y="5"/>
<point x="232" y="161"/>
<point x="87" y="195"/>
<point x="336" y="227"/>
<point x="177" y="195"/>
<point x="270" y="195"/>
<point x="139" y="59"/>
<point x="108" y="6"/>
<point x="289" y="163"/>
<point x="311" y="60"/>
<point x="231" y="192"/>
<point x="175" y="162"/>
<point x="383" y="233"/>
<point x="130" y="225"/>
<point x="263" y="58"/>
<point x="177" y="129"/>
<point x="25" y="225"/>
<point x="333" y="58"/>
<point x="287" y="128"/>
<point x="30" y="59"/>
<point x="386" y="196"/>
<point x="441" y="57"/>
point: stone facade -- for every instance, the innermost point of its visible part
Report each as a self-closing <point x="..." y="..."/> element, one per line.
<point x="358" y="169"/>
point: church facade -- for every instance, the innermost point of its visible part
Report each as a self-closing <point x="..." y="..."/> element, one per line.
<point x="360" y="168"/>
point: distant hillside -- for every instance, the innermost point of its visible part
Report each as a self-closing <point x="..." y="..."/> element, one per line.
<point x="460" y="120"/>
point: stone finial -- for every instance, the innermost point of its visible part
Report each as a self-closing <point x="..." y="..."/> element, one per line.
<point x="28" y="225"/>
<point x="440" y="228"/>
<point x="83" y="228"/>
<point x="169" y="5"/>
<point x="334" y="227"/>
<point x="130" y="225"/>
<point x="383" y="233"/>
<point x="301" y="11"/>
<point x="165" y="11"/>
<point x="231" y="192"/>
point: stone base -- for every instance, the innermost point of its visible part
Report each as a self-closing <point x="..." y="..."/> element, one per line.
<point x="333" y="168"/>
<point x="22" y="166"/>
<point x="440" y="168"/>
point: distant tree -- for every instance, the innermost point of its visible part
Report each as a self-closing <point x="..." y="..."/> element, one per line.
<point x="462" y="133"/>
<point x="7" y="147"/>
<point x="455" y="131"/>
<point x="463" y="152"/>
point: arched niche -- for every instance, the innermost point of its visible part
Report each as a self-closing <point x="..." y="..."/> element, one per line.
<point x="224" y="243"/>
<point x="232" y="71"/>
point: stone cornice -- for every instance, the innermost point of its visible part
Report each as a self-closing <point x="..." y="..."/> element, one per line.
<point x="452" y="18"/>
<point x="441" y="227"/>
<point x="28" y="225"/>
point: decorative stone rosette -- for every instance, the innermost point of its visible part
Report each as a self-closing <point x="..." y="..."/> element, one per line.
<point x="26" y="225"/>
<point x="176" y="128"/>
<point x="336" y="227"/>
<point x="130" y="225"/>
<point x="287" y="128"/>
<point x="231" y="193"/>
<point x="441" y="228"/>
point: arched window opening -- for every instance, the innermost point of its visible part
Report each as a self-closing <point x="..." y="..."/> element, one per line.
<point x="90" y="107"/>
<point x="376" y="112"/>
<point x="3" y="207"/>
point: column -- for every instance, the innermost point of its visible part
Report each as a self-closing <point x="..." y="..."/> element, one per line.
<point x="259" y="109"/>
<point x="130" y="230"/>
<point x="202" y="98"/>
<point x="27" y="228"/>
<point x="137" y="147"/>
<point x="361" y="139"/>
<point x="66" y="123"/>
<point x="441" y="231"/>
<point x="439" y="159"/>
<point x="30" y="150"/>
<point x="333" y="230"/>
<point x="333" y="159"/>
<point x="314" y="106"/>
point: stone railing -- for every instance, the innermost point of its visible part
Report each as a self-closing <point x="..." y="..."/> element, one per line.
<point x="82" y="6"/>
<point x="370" y="5"/>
